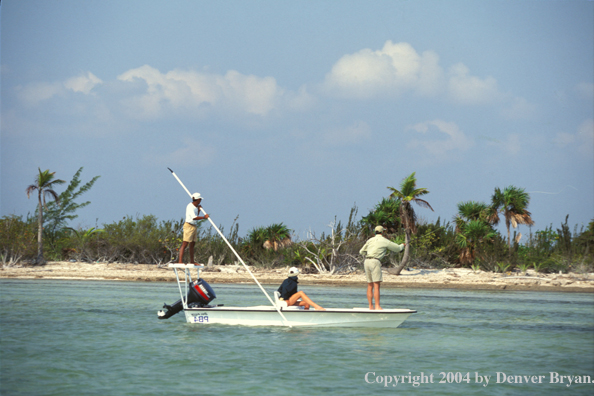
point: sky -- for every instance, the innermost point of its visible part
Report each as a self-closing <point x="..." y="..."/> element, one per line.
<point x="296" y="111"/>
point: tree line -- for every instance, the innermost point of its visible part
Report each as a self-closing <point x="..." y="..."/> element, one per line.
<point x="470" y="239"/>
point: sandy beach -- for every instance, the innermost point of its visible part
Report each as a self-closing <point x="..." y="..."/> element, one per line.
<point x="416" y="278"/>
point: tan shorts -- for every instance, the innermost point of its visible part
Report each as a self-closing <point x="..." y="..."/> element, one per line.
<point x="190" y="232"/>
<point x="373" y="270"/>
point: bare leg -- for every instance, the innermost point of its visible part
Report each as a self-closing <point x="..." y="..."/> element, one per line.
<point x="303" y="304"/>
<point x="192" y="252"/>
<point x="305" y="299"/>
<point x="376" y="295"/>
<point x="370" y="294"/>
<point x="181" y="252"/>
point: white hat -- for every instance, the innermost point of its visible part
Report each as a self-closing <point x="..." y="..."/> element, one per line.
<point x="196" y="196"/>
<point x="293" y="271"/>
<point x="379" y="229"/>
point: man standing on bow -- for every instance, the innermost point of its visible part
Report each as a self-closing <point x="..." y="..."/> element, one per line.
<point x="373" y="251"/>
<point x="191" y="226"/>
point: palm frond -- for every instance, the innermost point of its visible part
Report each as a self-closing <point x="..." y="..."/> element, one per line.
<point x="51" y="193"/>
<point x="422" y="203"/>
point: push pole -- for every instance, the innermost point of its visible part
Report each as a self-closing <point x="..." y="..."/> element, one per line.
<point x="236" y="254"/>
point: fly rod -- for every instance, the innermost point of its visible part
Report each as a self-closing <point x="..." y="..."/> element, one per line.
<point x="236" y="254"/>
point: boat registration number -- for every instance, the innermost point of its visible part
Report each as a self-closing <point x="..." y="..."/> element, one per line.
<point x="201" y="318"/>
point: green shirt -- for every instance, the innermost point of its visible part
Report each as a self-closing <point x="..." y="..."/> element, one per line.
<point x="376" y="247"/>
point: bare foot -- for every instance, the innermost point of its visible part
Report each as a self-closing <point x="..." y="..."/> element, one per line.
<point x="371" y="308"/>
<point x="318" y="308"/>
<point x="378" y="307"/>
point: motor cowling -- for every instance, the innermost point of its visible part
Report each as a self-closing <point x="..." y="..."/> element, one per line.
<point x="199" y="295"/>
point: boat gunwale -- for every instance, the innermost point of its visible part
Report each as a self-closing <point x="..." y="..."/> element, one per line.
<point x="265" y="308"/>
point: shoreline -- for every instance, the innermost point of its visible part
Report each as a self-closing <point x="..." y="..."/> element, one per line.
<point x="458" y="278"/>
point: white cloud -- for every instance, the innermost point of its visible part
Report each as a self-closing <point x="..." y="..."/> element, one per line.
<point x="299" y="101"/>
<point x="466" y="89"/>
<point x="436" y="146"/>
<point x="582" y="140"/>
<point x="34" y="93"/>
<point x="181" y="90"/>
<point x="393" y="70"/>
<point x="398" y="69"/>
<point x="83" y="83"/>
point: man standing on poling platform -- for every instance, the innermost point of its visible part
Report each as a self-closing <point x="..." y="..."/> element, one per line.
<point x="191" y="226"/>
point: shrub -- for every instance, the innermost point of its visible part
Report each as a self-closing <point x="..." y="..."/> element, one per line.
<point x="140" y="240"/>
<point x="18" y="239"/>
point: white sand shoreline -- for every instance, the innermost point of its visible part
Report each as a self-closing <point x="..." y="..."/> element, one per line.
<point x="459" y="278"/>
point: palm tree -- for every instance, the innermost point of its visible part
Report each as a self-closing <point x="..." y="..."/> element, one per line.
<point x="409" y="193"/>
<point x="277" y="236"/>
<point x="513" y="203"/>
<point x="386" y="213"/>
<point x="472" y="228"/>
<point x="473" y="210"/>
<point x="44" y="183"/>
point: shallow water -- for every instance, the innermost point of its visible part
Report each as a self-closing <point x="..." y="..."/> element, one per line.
<point x="91" y="337"/>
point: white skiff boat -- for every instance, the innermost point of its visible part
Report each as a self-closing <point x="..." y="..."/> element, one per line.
<point x="195" y="305"/>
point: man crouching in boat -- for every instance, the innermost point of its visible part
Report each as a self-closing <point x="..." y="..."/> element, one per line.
<point x="288" y="292"/>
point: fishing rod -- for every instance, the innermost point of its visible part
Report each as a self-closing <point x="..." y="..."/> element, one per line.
<point x="236" y="254"/>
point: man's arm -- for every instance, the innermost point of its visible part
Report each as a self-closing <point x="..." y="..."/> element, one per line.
<point x="396" y="247"/>
<point x="363" y="251"/>
<point x="199" y="208"/>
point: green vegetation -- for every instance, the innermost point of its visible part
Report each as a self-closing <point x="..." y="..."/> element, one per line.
<point x="44" y="182"/>
<point x="58" y="213"/>
<point x="470" y="240"/>
<point x="473" y="230"/>
<point x="513" y="203"/>
<point x="409" y="193"/>
<point x="17" y="239"/>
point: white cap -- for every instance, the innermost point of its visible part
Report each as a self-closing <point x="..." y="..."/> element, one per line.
<point x="196" y="196"/>
<point x="293" y="271"/>
<point x="379" y="229"/>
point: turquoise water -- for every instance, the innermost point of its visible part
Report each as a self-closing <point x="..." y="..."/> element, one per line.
<point x="103" y="338"/>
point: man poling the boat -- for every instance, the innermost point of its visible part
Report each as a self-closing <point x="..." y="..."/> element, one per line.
<point x="373" y="251"/>
<point x="191" y="226"/>
<point x="284" y="319"/>
<point x="289" y="294"/>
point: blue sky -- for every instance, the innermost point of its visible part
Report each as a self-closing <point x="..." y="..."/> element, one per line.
<point x="279" y="111"/>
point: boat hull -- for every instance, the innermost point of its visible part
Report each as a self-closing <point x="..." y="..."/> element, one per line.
<point x="269" y="316"/>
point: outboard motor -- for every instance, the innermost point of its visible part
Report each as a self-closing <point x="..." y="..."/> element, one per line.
<point x="199" y="295"/>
